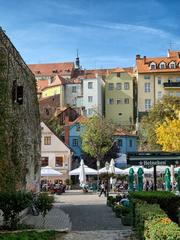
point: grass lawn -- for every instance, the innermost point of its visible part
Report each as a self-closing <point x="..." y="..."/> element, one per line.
<point x="31" y="235"/>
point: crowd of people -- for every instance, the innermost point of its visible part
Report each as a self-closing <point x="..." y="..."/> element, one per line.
<point x="53" y="187"/>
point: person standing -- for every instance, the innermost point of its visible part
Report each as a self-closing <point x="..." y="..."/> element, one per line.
<point x="103" y="190"/>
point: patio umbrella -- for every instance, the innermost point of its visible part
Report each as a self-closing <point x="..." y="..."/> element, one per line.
<point x="49" y="172"/>
<point x="167" y="179"/>
<point x="82" y="175"/>
<point x="131" y="179"/>
<point x="135" y="168"/>
<point x="111" y="166"/>
<point x="140" y="173"/>
<point x="116" y="170"/>
<point x="176" y="169"/>
<point x="88" y="171"/>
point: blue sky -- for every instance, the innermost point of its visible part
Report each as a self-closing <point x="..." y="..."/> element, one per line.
<point x="107" y="33"/>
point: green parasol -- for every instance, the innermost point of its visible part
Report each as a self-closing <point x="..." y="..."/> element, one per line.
<point x="131" y="179"/>
<point x="167" y="179"/>
<point x="140" y="173"/>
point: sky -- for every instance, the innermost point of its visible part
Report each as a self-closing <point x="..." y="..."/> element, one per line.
<point x="107" y="33"/>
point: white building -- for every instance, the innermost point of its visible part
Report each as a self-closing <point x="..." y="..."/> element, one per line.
<point x="72" y="91"/>
<point x="93" y="95"/>
<point x="54" y="152"/>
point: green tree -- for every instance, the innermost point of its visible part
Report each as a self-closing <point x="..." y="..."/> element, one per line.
<point x="97" y="138"/>
<point x="166" y="108"/>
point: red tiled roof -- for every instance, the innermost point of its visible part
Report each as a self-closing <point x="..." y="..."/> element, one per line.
<point x="41" y="84"/>
<point x="143" y="64"/>
<point x="52" y="68"/>
<point x="57" y="80"/>
<point x="80" y="119"/>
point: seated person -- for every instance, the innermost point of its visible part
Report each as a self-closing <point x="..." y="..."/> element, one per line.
<point x="125" y="201"/>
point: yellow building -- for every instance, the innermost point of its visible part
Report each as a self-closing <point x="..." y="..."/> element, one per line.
<point x="119" y="102"/>
<point x="157" y="76"/>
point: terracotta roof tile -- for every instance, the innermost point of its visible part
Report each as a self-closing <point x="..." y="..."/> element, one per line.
<point x="80" y="119"/>
<point x="52" y="68"/>
<point x="41" y="84"/>
<point x="143" y="64"/>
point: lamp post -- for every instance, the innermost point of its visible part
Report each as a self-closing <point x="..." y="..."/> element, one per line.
<point x="98" y="166"/>
<point x="107" y="169"/>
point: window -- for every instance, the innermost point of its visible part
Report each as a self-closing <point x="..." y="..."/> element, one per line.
<point x="59" y="162"/>
<point x="153" y="66"/>
<point x="159" y="95"/>
<point x="47" y="140"/>
<point x="78" y="127"/>
<point x="90" y="85"/>
<point x="90" y="98"/>
<point x="126" y="100"/>
<point x="146" y="77"/>
<point x="118" y="74"/>
<point x="118" y="86"/>
<point x="111" y="86"/>
<point x="90" y="111"/>
<point x="119" y="101"/>
<point x="44" y="161"/>
<point x="172" y="65"/>
<point x="126" y="85"/>
<point x="177" y="94"/>
<point x="73" y="89"/>
<point x="170" y="79"/>
<point x="177" y="79"/>
<point x="75" y="142"/>
<point x="147" y="104"/>
<point x="130" y="143"/>
<point x="162" y="65"/>
<point x="159" y="80"/>
<point x="120" y="143"/>
<point x="171" y="94"/>
<point x="111" y="101"/>
<point x="147" y="87"/>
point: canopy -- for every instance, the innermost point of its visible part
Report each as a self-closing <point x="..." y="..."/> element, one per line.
<point x="117" y="170"/>
<point x="135" y="168"/>
<point x="159" y="169"/>
<point x="82" y="175"/>
<point x="49" y="172"/>
<point x="176" y="169"/>
<point x="88" y="171"/>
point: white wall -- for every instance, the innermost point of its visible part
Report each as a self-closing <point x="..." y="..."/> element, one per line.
<point x="70" y="97"/>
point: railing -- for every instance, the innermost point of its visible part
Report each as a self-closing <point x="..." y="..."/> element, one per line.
<point x="172" y="84"/>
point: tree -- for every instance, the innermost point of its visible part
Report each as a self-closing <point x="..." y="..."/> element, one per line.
<point x="166" y="108"/>
<point x="97" y="138"/>
<point x="168" y="135"/>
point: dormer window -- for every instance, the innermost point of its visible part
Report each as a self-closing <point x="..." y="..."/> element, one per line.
<point x="153" y="66"/>
<point x="172" y="65"/>
<point x="162" y="65"/>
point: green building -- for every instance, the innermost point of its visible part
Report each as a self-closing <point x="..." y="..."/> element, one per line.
<point x="119" y="97"/>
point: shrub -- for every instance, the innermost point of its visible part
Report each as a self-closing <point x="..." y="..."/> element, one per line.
<point x="121" y="210"/>
<point x="111" y="200"/>
<point x="12" y="203"/>
<point x="44" y="203"/>
<point x="151" y="222"/>
<point x="168" y="201"/>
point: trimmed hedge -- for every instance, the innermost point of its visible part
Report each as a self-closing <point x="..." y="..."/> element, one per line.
<point x="152" y="223"/>
<point x="48" y="235"/>
<point x="110" y="201"/>
<point x="168" y="201"/>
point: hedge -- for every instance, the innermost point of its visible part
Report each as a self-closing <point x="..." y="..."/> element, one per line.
<point x="168" y="201"/>
<point x="152" y="223"/>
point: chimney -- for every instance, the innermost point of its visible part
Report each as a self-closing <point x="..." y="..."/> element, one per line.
<point x="66" y="130"/>
<point x="144" y="59"/>
<point x="138" y="56"/>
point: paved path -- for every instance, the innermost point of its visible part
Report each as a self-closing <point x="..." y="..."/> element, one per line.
<point x="86" y="216"/>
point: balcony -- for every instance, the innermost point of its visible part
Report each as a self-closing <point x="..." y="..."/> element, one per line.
<point x="172" y="84"/>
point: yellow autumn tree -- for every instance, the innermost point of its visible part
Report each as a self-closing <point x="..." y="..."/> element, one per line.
<point x="168" y="135"/>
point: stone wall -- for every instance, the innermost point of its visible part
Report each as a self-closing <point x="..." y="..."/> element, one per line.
<point x="19" y="121"/>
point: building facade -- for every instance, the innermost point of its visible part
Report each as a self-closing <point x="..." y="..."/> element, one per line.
<point x="156" y="77"/>
<point x="119" y="97"/>
<point x="19" y="121"/>
<point x="93" y="95"/>
<point x="54" y="152"/>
